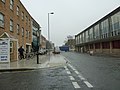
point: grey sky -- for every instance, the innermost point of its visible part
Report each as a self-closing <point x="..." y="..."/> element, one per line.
<point x="70" y="16"/>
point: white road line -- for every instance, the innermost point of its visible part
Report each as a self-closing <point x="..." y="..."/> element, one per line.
<point x="88" y="84"/>
<point x="75" y="84"/>
<point x="67" y="60"/>
<point x="77" y="72"/>
<point x="71" y="78"/>
<point x="71" y="67"/>
<point x="68" y="72"/>
<point x="66" y="68"/>
<point x="81" y="77"/>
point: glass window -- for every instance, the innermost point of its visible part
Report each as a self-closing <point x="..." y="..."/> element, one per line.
<point x="11" y="46"/>
<point x="11" y="4"/>
<point x="115" y="24"/>
<point x="97" y="45"/>
<point x="3" y="1"/>
<point x="11" y="25"/>
<point x="26" y="33"/>
<point x="87" y="36"/>
<point x="29" y="34"/>
<point x="17" y="10"/>
<point x="1" y="20"/>
<point x="105" y="45"/>
<point x="91" y="34"/>
<point x="96" y="32"/>
<point x="115" y="21"/>
<point x="26" y="19"/>
<point x="116" y="44"/>
<point x="22" y="32"/>
<point x="22" y="15"/>
<point x="104" y="28"/>
<point x="18" y="28"/>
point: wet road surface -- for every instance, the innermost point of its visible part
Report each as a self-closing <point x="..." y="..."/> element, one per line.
<point x="103" y="72"/>
<point x="81" y="72"/>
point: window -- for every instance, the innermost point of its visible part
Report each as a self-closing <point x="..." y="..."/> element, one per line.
<point x="116" y="44"/>
<point x="11" y="4"/>
<point x="26" y="19"/>
<point x="115" y="24"/>
<point x="29" y="23"/>
<point x="105" y="45"/>
<point x="3" y="1"/>
<point x="11" y="47"/>
<point x="11" y="25"/>
<point x="1" y="20"/>
<point x="91" y="46"/>
<point x="18" y="28"/>
<point x="22" y="15"/>
<point x="17" y="10"/>
<point x="29" y="34"/>
<point x="104" y="28"/>
<point x="26" y="33"/>
<point x="22" y="32"/>
<point x="87" y="35"/>
<point x="91" y="34"/>
<point x="97" y="45"/>
<point x="96" y="32"/>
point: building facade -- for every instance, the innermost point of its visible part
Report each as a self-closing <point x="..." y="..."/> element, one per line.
<point x="71" y="44"/>
<point x="101" y="37"/>
<point x="43" y="42"/>
<point x="36" y="34"/>
<point x="16" y="22"/>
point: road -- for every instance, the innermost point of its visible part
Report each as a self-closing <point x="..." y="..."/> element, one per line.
<point x="102" y="72"/>
<point x="82" y="72"/>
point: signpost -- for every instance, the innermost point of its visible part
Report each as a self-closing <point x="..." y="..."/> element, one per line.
<point x="4" y="51"/>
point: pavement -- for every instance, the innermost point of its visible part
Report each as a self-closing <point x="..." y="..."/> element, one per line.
<point x="45" y="61"/>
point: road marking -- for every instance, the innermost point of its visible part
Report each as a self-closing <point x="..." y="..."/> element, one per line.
<point x="88" y="84"/>
<point x="75" y="84"/>
<point x="81" y="77"/>
<point x="68" y="72"/>
<point x="77" y="72"/>
<point x="68" y="61"/>
<point x="66" y="68"/>
<point x="71" y="78"/>
<point x="71" y="67"/>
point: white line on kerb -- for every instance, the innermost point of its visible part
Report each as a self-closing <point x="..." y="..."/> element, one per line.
<point x="88" y="84"/>
<point x="75" y="84"/>
<point x="71" y="78"/>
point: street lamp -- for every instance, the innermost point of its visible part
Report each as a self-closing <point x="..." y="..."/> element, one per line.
<point x="49" y="32"/>
<point x="38" y="39"/>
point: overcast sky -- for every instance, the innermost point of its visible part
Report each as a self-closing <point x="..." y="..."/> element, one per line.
<point x="70" y="16"/>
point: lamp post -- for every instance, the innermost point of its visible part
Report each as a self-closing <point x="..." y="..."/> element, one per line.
<point x="49" y="32"/>
<point x="38" y="38"/>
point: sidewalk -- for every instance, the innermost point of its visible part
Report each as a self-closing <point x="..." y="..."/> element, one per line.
<point x="44" y="62"/>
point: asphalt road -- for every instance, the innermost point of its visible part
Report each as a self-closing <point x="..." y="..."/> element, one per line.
<point x="103" y="72"/>
<point x="82" y="72"/>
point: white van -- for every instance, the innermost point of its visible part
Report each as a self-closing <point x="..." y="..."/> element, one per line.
<point x="56" y="50"/>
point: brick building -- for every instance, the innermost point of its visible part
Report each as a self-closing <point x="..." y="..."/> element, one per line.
<point x="16" y="24"/>
<point x="102" y="37"/>
<point x="43" y="42"/>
